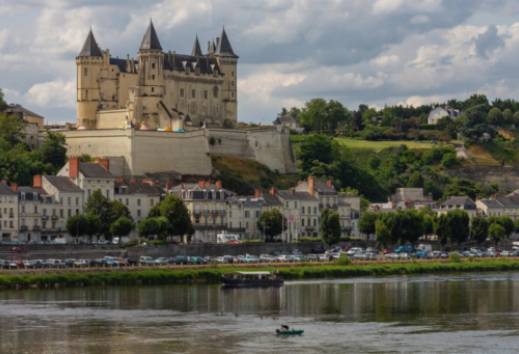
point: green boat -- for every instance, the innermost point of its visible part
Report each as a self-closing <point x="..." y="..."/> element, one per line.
<point x="286" y="331"/>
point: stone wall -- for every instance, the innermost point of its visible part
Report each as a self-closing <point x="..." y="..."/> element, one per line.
<point x="137" y="152"/>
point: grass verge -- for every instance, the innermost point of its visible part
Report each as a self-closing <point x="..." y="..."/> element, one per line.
<point x="212" y="275"/>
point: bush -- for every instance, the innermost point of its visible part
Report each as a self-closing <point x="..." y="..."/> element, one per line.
<point x="343" y="260"/>
<point x="455" y="257"/>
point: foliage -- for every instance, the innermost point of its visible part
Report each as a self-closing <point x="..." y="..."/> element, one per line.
<point x="53" y="151"/>
<point x="121" y="227"/>
<point x="496" y="232"/>
<point x="455" y="257"/>
<point x="403" y="226"/>
<point x="453" y="226"/>
<point x="506" y="222"/>
<point x="178" y="221"/>
<point x="153" y="226"/>
<point x="271" y="223"/>
<point x="343" y="260"/>
<point x="479" y="229"/>
<point x="330" y="228"/>
<point x="3" y="104"/>
<point x="367" y="222"/>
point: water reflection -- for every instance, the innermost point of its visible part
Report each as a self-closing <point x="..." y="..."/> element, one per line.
<point x="370" y="314"/>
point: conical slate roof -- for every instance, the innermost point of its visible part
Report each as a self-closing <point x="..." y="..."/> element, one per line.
<point x="197" y="51"/>
<point x="150" y="41"/>
<point x="224" y="46"/>
<point x="90" y="48"/>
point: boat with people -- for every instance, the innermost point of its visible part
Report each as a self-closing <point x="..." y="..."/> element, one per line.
<point x="287" y="331"/>
<point x="252" y="280"/>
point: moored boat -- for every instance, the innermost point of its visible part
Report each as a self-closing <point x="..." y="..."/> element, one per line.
<point x="287" y="331"/>
<point x="251" y="280"/>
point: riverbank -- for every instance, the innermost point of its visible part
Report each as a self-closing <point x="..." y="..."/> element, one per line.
<point x="158" y="276"/>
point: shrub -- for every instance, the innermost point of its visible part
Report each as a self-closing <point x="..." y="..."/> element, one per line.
<point x="343" y="260"/>
<point x="455" y="257"/>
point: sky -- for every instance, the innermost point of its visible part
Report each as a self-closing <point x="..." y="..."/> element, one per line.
<point x="375" y="52"/>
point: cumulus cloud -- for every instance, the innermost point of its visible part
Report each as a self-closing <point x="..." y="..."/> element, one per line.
<point x="358" y="51"/>
<point x="58" y="93"/>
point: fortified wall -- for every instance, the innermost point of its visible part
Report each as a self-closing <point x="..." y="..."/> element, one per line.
<point x="137" y="152"/>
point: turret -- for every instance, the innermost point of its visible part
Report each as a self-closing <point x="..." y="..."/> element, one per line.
<point x="151" y="79"/>
<point x="196" y="51"/>
<point x="88" y="64"/>
<point x="227" y="61"/>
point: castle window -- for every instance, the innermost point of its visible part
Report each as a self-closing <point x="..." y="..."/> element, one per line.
<point x="153" y="89"/>
<point x="181" y="92"/>
<point x="153" y="77"/>
<point x="193" y="93"/>
<point x="205" y="94"/>
<point x="85" y="71"/>
<point x="153" y="65"/>
<point x="215" y="92"/>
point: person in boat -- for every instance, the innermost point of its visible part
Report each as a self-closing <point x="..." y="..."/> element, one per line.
<point x="283" y="328"/>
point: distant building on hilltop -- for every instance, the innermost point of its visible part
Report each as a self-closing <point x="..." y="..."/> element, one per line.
<point x="33" y="122"/>
<point x="287" y="122"/>
<point x="441" y="112"/>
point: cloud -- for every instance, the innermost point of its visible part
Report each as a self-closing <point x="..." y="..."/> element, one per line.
<point x="358" y="51"/>
<point x="58" y="93"/>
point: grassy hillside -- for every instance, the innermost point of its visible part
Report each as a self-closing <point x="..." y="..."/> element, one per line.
<point x="243" y="176"/>
<point x="381" y="145"/>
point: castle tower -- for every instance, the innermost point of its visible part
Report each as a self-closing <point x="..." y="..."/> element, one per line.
<point x="227" y="61"/>
<point x="150" y="87"/>
<point x="88" y="64"/>
<point x="196" y="51"/>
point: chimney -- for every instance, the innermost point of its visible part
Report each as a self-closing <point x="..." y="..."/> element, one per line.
<point x="73" y="167"/>
<point x="218" y="184"/>
<point x="104" y="162"/>
<point x="273" y="191"/>
<point x="257" y="193"/>
<point x="14" y="187"/>
<point x="36" y="181"/>
<point x="311" y="185"/>
<point x="201" y="183"/>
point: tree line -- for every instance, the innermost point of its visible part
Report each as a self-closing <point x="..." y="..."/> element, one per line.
<point x="455" y="226"/>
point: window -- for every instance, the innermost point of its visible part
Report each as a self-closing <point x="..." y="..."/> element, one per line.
<point x="85" y="70"/>
<point x="206" y="94"/>
<point x="139" y="212"/>
<point x="303" y="222"/>
<point x="139" y="202"/>
<point x="153" y="78"/>
<point x="215" y="92"/>
<point x="77" y="200"/>
<point x="302" y="210"/>
<point x="69" y="200"/>
<point x="181" y="92"/>
<point x="193" y="93"/>
<point x="153" y="65"/>
<point x="246" y="213"/>
<point x="61" y="213"/>
<point x="153" y="89"/>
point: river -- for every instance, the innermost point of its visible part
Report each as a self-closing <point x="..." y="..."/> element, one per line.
<point x="411" y="314"/>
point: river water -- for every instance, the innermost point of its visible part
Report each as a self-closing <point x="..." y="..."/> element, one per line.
<point x="411" y="314"/>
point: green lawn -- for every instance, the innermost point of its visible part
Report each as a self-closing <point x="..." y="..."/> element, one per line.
<point x="381" y="145"/>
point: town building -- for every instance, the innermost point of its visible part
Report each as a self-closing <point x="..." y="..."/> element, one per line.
<point x="33" y="123"/>
<point x="288" y="122"/>
<point x="8" y="211"/>
<point x="207" y="206"/>
<point x="500" y="206"/>
<point x="139" y="196"/>
<point x="458" y="203"/>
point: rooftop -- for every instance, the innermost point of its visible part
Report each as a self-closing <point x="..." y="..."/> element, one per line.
<point x="94" y="170"/>
<point x="63" y="184"/>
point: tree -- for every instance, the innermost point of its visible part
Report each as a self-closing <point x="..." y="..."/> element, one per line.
<point x="76" y="226"/>
<point x="496" y="232"/>
<point x="3" y="104"/>
<point x="479" y="229"/>
<point x="367" y="222"/>
<point x="315" y="148"/>
<point x="121" y="227"/>
<point x="177" y="215"/>
<point x="330" y="228"/>
<point x="411" y="226"/>
<point x="100" y="206"/>
<point x="148" y="227"/>
<point x="386" y="229"/>
<point x="506" y="222"/>
<point x="92" y="223"/>
<point x="508" y="116"/>
<point x="453" y="226"/>
<point x="11" y="130"/>
<point x="271" y="223"/>
<point x="53" y="151"/>
<point x="495" y="116"/>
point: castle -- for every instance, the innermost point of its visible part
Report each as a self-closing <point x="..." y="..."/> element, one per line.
<point x="158" y="91"/>
<point x="166" y="112"/>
